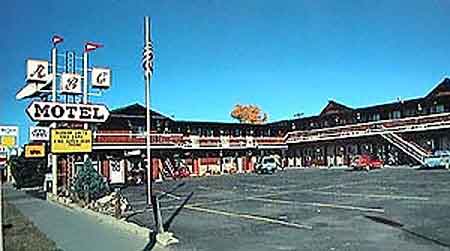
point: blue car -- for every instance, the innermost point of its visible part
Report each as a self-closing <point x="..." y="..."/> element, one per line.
<point x="439" y="159"/>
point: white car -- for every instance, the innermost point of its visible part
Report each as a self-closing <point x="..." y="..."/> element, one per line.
<point x="267" y="165"/>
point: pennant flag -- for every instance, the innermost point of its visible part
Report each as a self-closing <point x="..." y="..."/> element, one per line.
<point x="57" y="39"/>
<point x="90" y="46"/>
<point x="147" y="58"/>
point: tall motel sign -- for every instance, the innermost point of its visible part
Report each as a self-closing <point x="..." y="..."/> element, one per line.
<point x="59" y="94"/>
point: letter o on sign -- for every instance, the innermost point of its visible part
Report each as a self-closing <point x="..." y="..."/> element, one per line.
<point x="57" y="111"/>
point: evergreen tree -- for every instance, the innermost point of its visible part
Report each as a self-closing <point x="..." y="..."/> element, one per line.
<point x="89" y="184"/>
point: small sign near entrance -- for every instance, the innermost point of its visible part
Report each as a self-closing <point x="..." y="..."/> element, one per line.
<point x="117" y="171"/>
<point x="71" y="141"/>
<point x="39" y="133"/>
<point x="54" y="111"/>
<point x="35" y="151"/>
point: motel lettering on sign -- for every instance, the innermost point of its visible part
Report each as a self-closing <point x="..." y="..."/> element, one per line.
<point x="53" y="111"/>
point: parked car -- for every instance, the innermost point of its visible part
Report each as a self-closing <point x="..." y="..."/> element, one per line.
<point x="366" y="162"/>
<point x="439" y="159"/>
<point x="182" y="172"/>
<point x="268" y="164"/>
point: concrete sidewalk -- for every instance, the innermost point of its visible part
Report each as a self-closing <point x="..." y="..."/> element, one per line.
<point x="72" y="230"/>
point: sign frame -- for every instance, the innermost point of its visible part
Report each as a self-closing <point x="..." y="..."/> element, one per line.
<point x="96" y="74"/>
<point x="42" y="67"/>
<point x="34" y="137"/>
<point x="28" y="153"/>
<point x="87" y="113"/>
<point x="63" y="147"/>
<point x="68" y="86"/>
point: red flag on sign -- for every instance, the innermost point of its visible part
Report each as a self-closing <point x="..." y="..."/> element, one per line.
<point x="90" y="46"/>
<point x="57" y="39"/>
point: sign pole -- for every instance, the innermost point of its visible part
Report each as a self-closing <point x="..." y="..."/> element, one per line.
<point x="53" y="125"/>
<point x="85" y="90"/>
<point x="1" y="207"/>
<point x="85" y="79"/>
<point x="147" y="103"/>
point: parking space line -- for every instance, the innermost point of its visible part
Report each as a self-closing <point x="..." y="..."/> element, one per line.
<point x="216" y="202"/>
<point x="319" y="204"/>
<point x="385" y="196"/>
<point x="248" y="216"/>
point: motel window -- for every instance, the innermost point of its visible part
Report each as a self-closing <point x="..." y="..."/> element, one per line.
<point x="439" y="108"/>
<point x="410" y="112"/>
<point x="395" y="115"/>
<point x="363" y="117"/>
<point x="140" y="129"/>
<point x="375" y="117"/>
<point x="237" y="132"/>
<point x="158" y="125"/>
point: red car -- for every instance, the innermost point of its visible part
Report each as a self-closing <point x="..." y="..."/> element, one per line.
<point x="367" y="162"/>
<point x="182" y="172"/>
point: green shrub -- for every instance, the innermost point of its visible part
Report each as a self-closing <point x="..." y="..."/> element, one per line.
<point x="89" y="184"/>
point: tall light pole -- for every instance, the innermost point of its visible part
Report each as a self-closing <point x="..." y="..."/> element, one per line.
<point x="148" y="71"/>
<point x="54" y="158"/>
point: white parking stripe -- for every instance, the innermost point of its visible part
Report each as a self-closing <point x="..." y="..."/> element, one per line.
<point x="250" y="217"/>
<point x="216" y="202"/>
<point x="318" y="204"/>
<point x="386" y="196"/>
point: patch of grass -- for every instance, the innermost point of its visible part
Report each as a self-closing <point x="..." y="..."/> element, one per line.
<point x="20" y="234"/>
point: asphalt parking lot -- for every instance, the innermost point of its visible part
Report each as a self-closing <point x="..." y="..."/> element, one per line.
<point x="307" y="209"/>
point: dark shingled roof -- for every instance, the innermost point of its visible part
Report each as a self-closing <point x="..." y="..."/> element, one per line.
<point x="333" y="108"/>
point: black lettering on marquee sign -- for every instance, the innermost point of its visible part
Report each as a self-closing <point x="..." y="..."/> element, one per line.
<point x="53" y="111"/>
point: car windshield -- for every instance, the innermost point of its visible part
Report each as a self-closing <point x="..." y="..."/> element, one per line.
<point x="268" y="161"/>
<point x="441" y="153"/>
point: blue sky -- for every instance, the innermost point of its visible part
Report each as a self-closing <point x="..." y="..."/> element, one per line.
<point x="286" y="56"/>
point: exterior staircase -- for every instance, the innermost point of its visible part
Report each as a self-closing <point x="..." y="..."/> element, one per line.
<point x="167" y="170"/>
<point x="413" y="150"/>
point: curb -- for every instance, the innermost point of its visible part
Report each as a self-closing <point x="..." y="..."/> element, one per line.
<point x="122" y="224"/>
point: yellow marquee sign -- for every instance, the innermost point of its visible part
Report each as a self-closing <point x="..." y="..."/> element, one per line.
<point x="8" y="140"/>
<point x="35" y="151"/>
<point x="71" y="141"/>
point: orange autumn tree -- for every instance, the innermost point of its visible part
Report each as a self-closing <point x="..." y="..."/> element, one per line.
<point x="251" y="114"/>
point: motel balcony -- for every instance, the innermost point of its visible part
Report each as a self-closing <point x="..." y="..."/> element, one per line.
<point x="128" y="137"/>
<point x="411" y="124"/>
<point x="124" y="137"/>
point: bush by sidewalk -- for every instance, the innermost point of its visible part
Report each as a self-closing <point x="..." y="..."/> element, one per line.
<point x="28" y="172"/>
<point x="21" y="234"/>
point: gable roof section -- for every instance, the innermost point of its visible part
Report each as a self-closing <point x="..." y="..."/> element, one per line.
<point x="334" y="108"/>
<point x="442" y="89"/>
<point x="136" y="110"/>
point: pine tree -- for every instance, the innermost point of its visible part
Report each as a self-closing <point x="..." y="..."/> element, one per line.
<point x="89" y="184"/>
